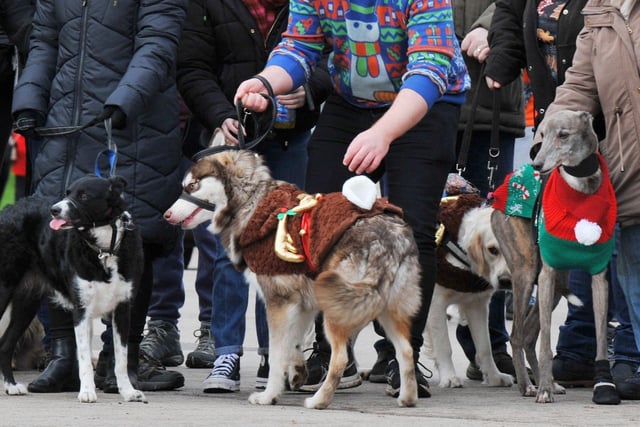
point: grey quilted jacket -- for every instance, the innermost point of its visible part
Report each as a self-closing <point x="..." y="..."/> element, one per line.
<point x="88" y="54"/>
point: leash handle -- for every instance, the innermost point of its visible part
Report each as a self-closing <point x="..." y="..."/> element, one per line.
<point x="243" y="113"/>
<point x="111" y="152"/>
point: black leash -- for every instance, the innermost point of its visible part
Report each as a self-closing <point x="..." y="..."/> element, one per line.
<point x="243" y="114"/>
<point x="494" y="148"/>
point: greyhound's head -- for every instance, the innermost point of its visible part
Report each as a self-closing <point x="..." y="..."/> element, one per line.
<point x="568" y="138"/>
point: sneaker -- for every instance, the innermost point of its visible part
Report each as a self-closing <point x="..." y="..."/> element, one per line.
<point x="627" y="379"/>
<point x="378" y="370"/>
<point x="225" y="375"/>
<point x="263" y="372"/>
<point x="204" y="354"/>
<point x="153" y="376"/>
<point x="393" y="379"/>
<point x="162" y="343"/>
<point x="473" y="372"/>
<point x="572" y="373"/>
<point x="318" y="366"/>
<point x="503" y="362"/>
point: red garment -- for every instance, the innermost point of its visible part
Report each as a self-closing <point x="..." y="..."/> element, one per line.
<point x="264" y="12"/>
<point x="19" y="167"/>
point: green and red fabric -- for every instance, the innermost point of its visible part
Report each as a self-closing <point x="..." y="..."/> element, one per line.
<point x="517" y="195"/>
<point x="575" y="230"/>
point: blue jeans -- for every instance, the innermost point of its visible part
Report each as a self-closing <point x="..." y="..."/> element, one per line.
<point x="477" y="173"/>
<point x="416" y="169"/>
<point x="628" y="264"/>
<point x="230" y="293"/>
<point x="167" y="297"/>
<point x="577" y="340"/>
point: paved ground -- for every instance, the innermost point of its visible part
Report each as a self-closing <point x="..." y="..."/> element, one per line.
<point x="473" y="405"/>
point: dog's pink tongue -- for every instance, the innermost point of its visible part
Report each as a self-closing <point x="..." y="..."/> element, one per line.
<point x="56" y="223"/>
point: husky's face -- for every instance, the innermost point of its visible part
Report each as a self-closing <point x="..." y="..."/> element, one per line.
<point x="204" y="198"/>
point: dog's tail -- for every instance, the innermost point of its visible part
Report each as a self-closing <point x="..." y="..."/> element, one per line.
<point x="337" y="298"/>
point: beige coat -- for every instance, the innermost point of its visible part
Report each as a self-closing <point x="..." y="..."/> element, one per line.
<point x="605" y="76"/>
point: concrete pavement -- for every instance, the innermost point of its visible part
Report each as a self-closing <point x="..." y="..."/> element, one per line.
<point x="367" y="405"/>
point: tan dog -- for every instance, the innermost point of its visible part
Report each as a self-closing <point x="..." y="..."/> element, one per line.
<point x="370" y="270"/>
<point x="470" y="269"/>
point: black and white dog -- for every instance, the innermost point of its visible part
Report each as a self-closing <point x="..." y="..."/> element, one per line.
<point x="83" y="252"/>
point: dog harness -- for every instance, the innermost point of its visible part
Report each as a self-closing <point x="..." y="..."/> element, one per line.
<point x="312" y="226"/>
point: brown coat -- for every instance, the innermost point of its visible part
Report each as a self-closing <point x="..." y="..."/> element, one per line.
<point x="605" y="78"/>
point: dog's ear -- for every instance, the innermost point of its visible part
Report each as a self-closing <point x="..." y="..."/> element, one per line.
<point x="476" y="254"/>
<point x="117" y="184"/>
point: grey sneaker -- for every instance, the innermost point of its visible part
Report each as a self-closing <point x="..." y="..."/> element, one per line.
<point x="225" y="375"/>
<point x="204" y="354"/>
<point x="162" y="342"/>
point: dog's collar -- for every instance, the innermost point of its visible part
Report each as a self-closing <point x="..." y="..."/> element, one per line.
<point x="116" y="240"/>
<point x="456" y="250"/>
<point x="587" y="167"/>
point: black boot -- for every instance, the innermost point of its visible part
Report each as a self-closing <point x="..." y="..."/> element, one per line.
<point x="61" y="374"/>
<point x="110" y="384"/>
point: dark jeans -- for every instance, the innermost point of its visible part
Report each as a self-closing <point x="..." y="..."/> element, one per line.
<point x="477" y="173"/>
<point x="577" y="338"/>
<point x="416" y="168"/>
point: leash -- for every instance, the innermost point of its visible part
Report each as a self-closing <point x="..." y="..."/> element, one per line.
<point x="494" y="148"/>
<point x="243" y="114"/>
<point x="111" y="152"/>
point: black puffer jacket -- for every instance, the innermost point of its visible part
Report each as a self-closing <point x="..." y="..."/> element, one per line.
<point x="514" y="46"/>
<point x="221" y="47"/>
<point x="84" y="55"/>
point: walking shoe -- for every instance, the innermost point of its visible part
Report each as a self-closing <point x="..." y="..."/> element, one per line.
<point x="378" y="370"/>
<point x="263" y="372"/>
<point x="204" y="354"/>
<point x="225" y="375"/>
<point x="572" y="373"/>
<point x="627" y="379"/>
<point x="393" y="379"/>
<point x="153" y="376"/>
<point x="162" y="343"/>
<point x="318" y="366"/>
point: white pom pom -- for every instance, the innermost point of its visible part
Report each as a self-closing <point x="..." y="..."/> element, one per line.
<point x="360" y="191"/>
<point x="587" y="232"/>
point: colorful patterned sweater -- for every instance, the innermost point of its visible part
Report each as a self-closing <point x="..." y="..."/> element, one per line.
<point x="378" y="48"/>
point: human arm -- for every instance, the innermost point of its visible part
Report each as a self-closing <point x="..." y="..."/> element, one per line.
<point x="159" y="26"/>
<point x="507" y="55"/>
<point x="16" y="21"/>
<point x="475" y="42"/>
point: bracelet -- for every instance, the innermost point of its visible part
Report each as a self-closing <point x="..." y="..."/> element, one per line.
<point x="266" y="84"/>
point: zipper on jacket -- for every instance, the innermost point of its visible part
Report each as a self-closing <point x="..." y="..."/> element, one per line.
<point x="69" y="162"/>
<point x="618" y="112"/>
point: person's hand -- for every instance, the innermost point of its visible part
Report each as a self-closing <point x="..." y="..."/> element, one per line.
<point x="230" y="131"/>
<point x="492" y="84"/>
<point x="366" y="152"/>
<point x="252" y="95"/>
<point x="475" y="44"/>
<point x="115" y="113"/>
<point x="27" y="121"/>
<point x="293" y="100"/>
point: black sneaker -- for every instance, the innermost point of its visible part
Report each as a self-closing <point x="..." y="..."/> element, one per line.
<point x="225" y="375"/>
<point x="378" y="370"/>
<point x="393" y="379"/>
<point x="318" y="366"/>
<point x="572" y="373"/>
<point x="627" y="379"/>
<point x="162" y="342"/>
<point x="153" y="376"/>
<point x="263" y="372"/>
<point x="473" y="372"/>
<point x="204" y="354"/>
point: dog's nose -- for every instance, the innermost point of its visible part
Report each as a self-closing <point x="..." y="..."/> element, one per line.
<point x="55" y="210"/>
<point x="504" y="283"/>
<point x="537" y="165"/>
<point x="167" y="215"/>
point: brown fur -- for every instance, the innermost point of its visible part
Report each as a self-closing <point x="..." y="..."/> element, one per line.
<point x="371" y="272"/>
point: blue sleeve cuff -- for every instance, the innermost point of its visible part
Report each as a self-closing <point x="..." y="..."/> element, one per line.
<point x="291" y="66"/>
<point x="424" y="87"/>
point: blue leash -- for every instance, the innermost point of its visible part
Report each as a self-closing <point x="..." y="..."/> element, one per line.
<point x="111" y="152"/>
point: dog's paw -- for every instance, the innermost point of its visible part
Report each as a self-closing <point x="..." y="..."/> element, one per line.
<point x="262" y="398"/>
<point x="133" y="396"/>
<point x="297" y="377"/>
<point x="530" y="391"/>
<point x="544" y="396"/>
<point x="87" y="396"/>
<point x="451" y="382"/>
<point x="500" y="380"/>
<point x="17" y="389"/>
<point x="316" y="402"/>
<point x="407" y="401"/>
<point x="558" y="389"/>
